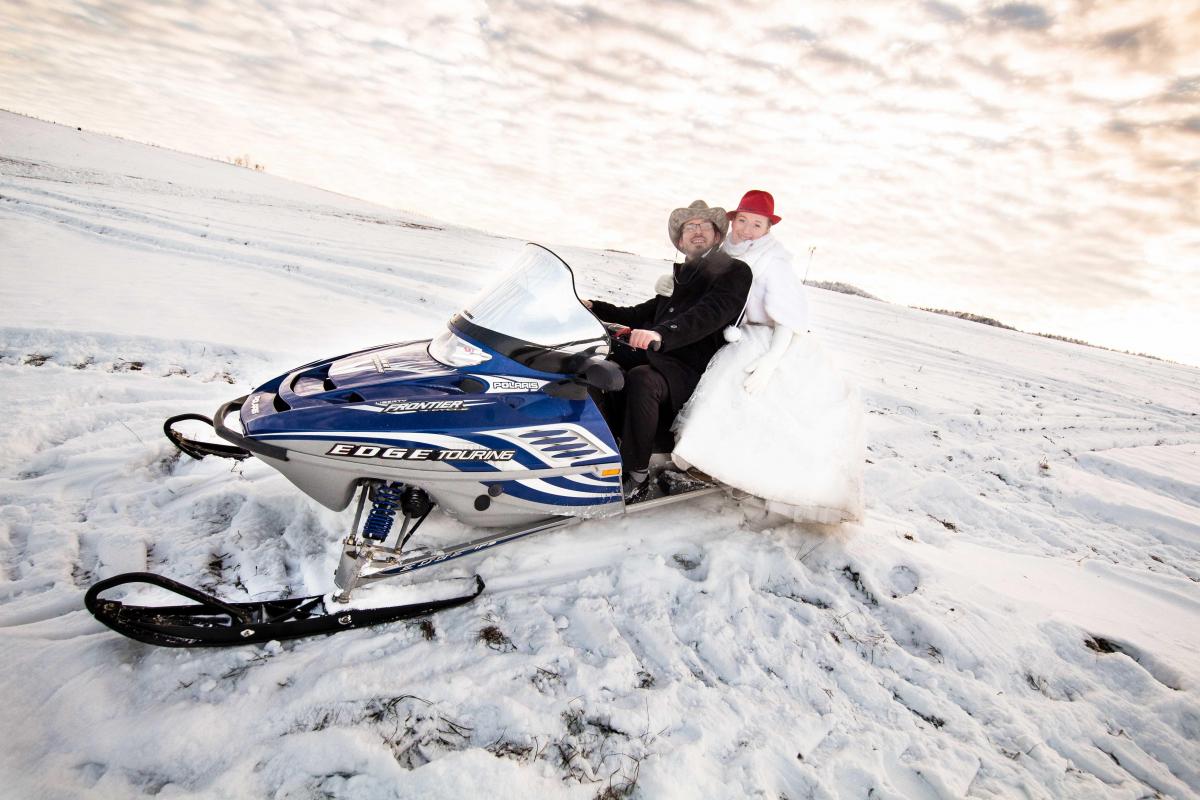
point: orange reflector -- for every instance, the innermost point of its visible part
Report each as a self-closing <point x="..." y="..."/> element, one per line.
<point x="609" y="472"/>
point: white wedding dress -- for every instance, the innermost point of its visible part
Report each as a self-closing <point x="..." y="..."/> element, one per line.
<point x="799" y="444"/>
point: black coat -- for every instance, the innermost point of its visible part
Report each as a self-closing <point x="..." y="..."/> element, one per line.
<point x="709" y="295"/>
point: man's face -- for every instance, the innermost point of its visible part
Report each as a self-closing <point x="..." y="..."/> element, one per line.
<point x="698" y="236"/>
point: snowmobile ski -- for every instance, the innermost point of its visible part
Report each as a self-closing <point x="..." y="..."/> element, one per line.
<point x="211" y="622"/>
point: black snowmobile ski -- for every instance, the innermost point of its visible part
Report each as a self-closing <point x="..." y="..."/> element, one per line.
<point x="211" y="622"/>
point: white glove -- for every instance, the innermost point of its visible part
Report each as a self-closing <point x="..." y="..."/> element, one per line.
<point x="665" y="285"/>
<point x="762" y="368"/>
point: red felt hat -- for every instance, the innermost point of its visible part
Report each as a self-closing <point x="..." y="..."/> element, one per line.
<point x="757" y="201"/>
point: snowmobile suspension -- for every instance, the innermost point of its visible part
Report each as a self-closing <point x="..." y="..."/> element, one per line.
<point x="384" y="502"/>
<point x="386" y="498"/>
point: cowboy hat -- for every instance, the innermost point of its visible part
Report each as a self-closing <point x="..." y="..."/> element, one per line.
<point x="697" y="210"/>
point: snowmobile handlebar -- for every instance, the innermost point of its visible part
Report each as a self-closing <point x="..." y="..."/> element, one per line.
<point x="245" y="442"/>
<point x="621" y="334"/>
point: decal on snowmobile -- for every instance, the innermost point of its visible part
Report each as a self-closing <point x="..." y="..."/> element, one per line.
<point x="504" y="383"/>
<point x="414" y="406"/>
<point x="417" y="454"/>
<point x="254" y="403"/>
<point x="557" y="442"/>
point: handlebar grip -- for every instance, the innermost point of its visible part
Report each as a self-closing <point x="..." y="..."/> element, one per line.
<point x="655" y="346"/>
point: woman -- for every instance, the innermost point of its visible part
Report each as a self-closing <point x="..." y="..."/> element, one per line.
<point x="771" y="416"/>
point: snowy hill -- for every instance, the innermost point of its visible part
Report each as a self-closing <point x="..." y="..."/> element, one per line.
<point x="1016" y="617"/>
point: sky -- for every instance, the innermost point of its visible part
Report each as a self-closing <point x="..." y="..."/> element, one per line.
<point x="1038" y="163"/>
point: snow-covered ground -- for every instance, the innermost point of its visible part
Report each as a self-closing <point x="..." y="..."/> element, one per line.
<point x="1016" y="617"/>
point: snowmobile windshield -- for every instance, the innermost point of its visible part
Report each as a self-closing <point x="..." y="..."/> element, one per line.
<point x="533" y="315"/>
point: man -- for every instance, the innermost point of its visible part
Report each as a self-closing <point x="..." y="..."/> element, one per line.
<point x="672" y="337"/>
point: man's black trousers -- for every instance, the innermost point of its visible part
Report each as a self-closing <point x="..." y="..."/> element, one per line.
<point x="635" y="413"/>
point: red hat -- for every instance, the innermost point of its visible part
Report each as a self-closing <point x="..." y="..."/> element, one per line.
<point x="757" y="201"/>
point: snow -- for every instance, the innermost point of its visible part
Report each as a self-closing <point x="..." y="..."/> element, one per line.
<point x="1015" y="617"/>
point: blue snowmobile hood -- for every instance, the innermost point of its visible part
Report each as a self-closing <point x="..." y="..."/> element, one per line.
<point x="400" y="387"/>
<point x="390" y="372"/>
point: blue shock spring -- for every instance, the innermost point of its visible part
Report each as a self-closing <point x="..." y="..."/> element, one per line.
<point x="383" y="511"/>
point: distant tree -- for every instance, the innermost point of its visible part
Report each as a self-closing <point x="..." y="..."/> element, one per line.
<point x="1069" y="340"/>
<point x="995" y="323"/>
<point x="838" y="286"/>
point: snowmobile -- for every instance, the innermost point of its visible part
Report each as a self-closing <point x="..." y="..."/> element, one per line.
<point x="492" y="421"/>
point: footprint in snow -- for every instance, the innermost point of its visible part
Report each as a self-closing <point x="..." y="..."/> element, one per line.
<point x="903" y="581"/>
<point x="691" y="563"/>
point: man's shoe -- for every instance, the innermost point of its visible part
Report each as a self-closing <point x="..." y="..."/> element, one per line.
<point x="635" y="490"/>
<point x="673" y="482"/>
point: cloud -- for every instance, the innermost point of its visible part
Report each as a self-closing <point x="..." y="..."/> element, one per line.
<point x="1134" y="39"/>
<point x="1022" y="15"/>
<point x="935" y="154"/>
<point x="792" y="33"/>
<point x="1144" y="44"/>
<point x="945" y="11"/>
<point x="832" y="55"/>
<point x="1183" y="90"/>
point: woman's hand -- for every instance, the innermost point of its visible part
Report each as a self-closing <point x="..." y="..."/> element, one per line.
<point x="761" y="369"/>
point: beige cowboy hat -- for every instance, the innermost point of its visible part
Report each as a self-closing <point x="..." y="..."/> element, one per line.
<point x="697" y="210"/>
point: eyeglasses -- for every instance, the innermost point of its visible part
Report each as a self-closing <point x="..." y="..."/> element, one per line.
<point x="692" y="227"/>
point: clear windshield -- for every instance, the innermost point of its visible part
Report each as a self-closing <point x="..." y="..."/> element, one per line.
<point x="534" y="302"/>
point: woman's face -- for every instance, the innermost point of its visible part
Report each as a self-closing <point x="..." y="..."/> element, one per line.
<point x="747" y="226"/>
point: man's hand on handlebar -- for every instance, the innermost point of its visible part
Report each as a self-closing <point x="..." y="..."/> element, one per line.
<point x="636" y="338"/>
<point x="644" y="340"/>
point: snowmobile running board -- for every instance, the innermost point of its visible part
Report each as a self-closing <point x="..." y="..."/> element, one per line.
<point x="422" y="558"/>
<point x="212" y="622"/>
